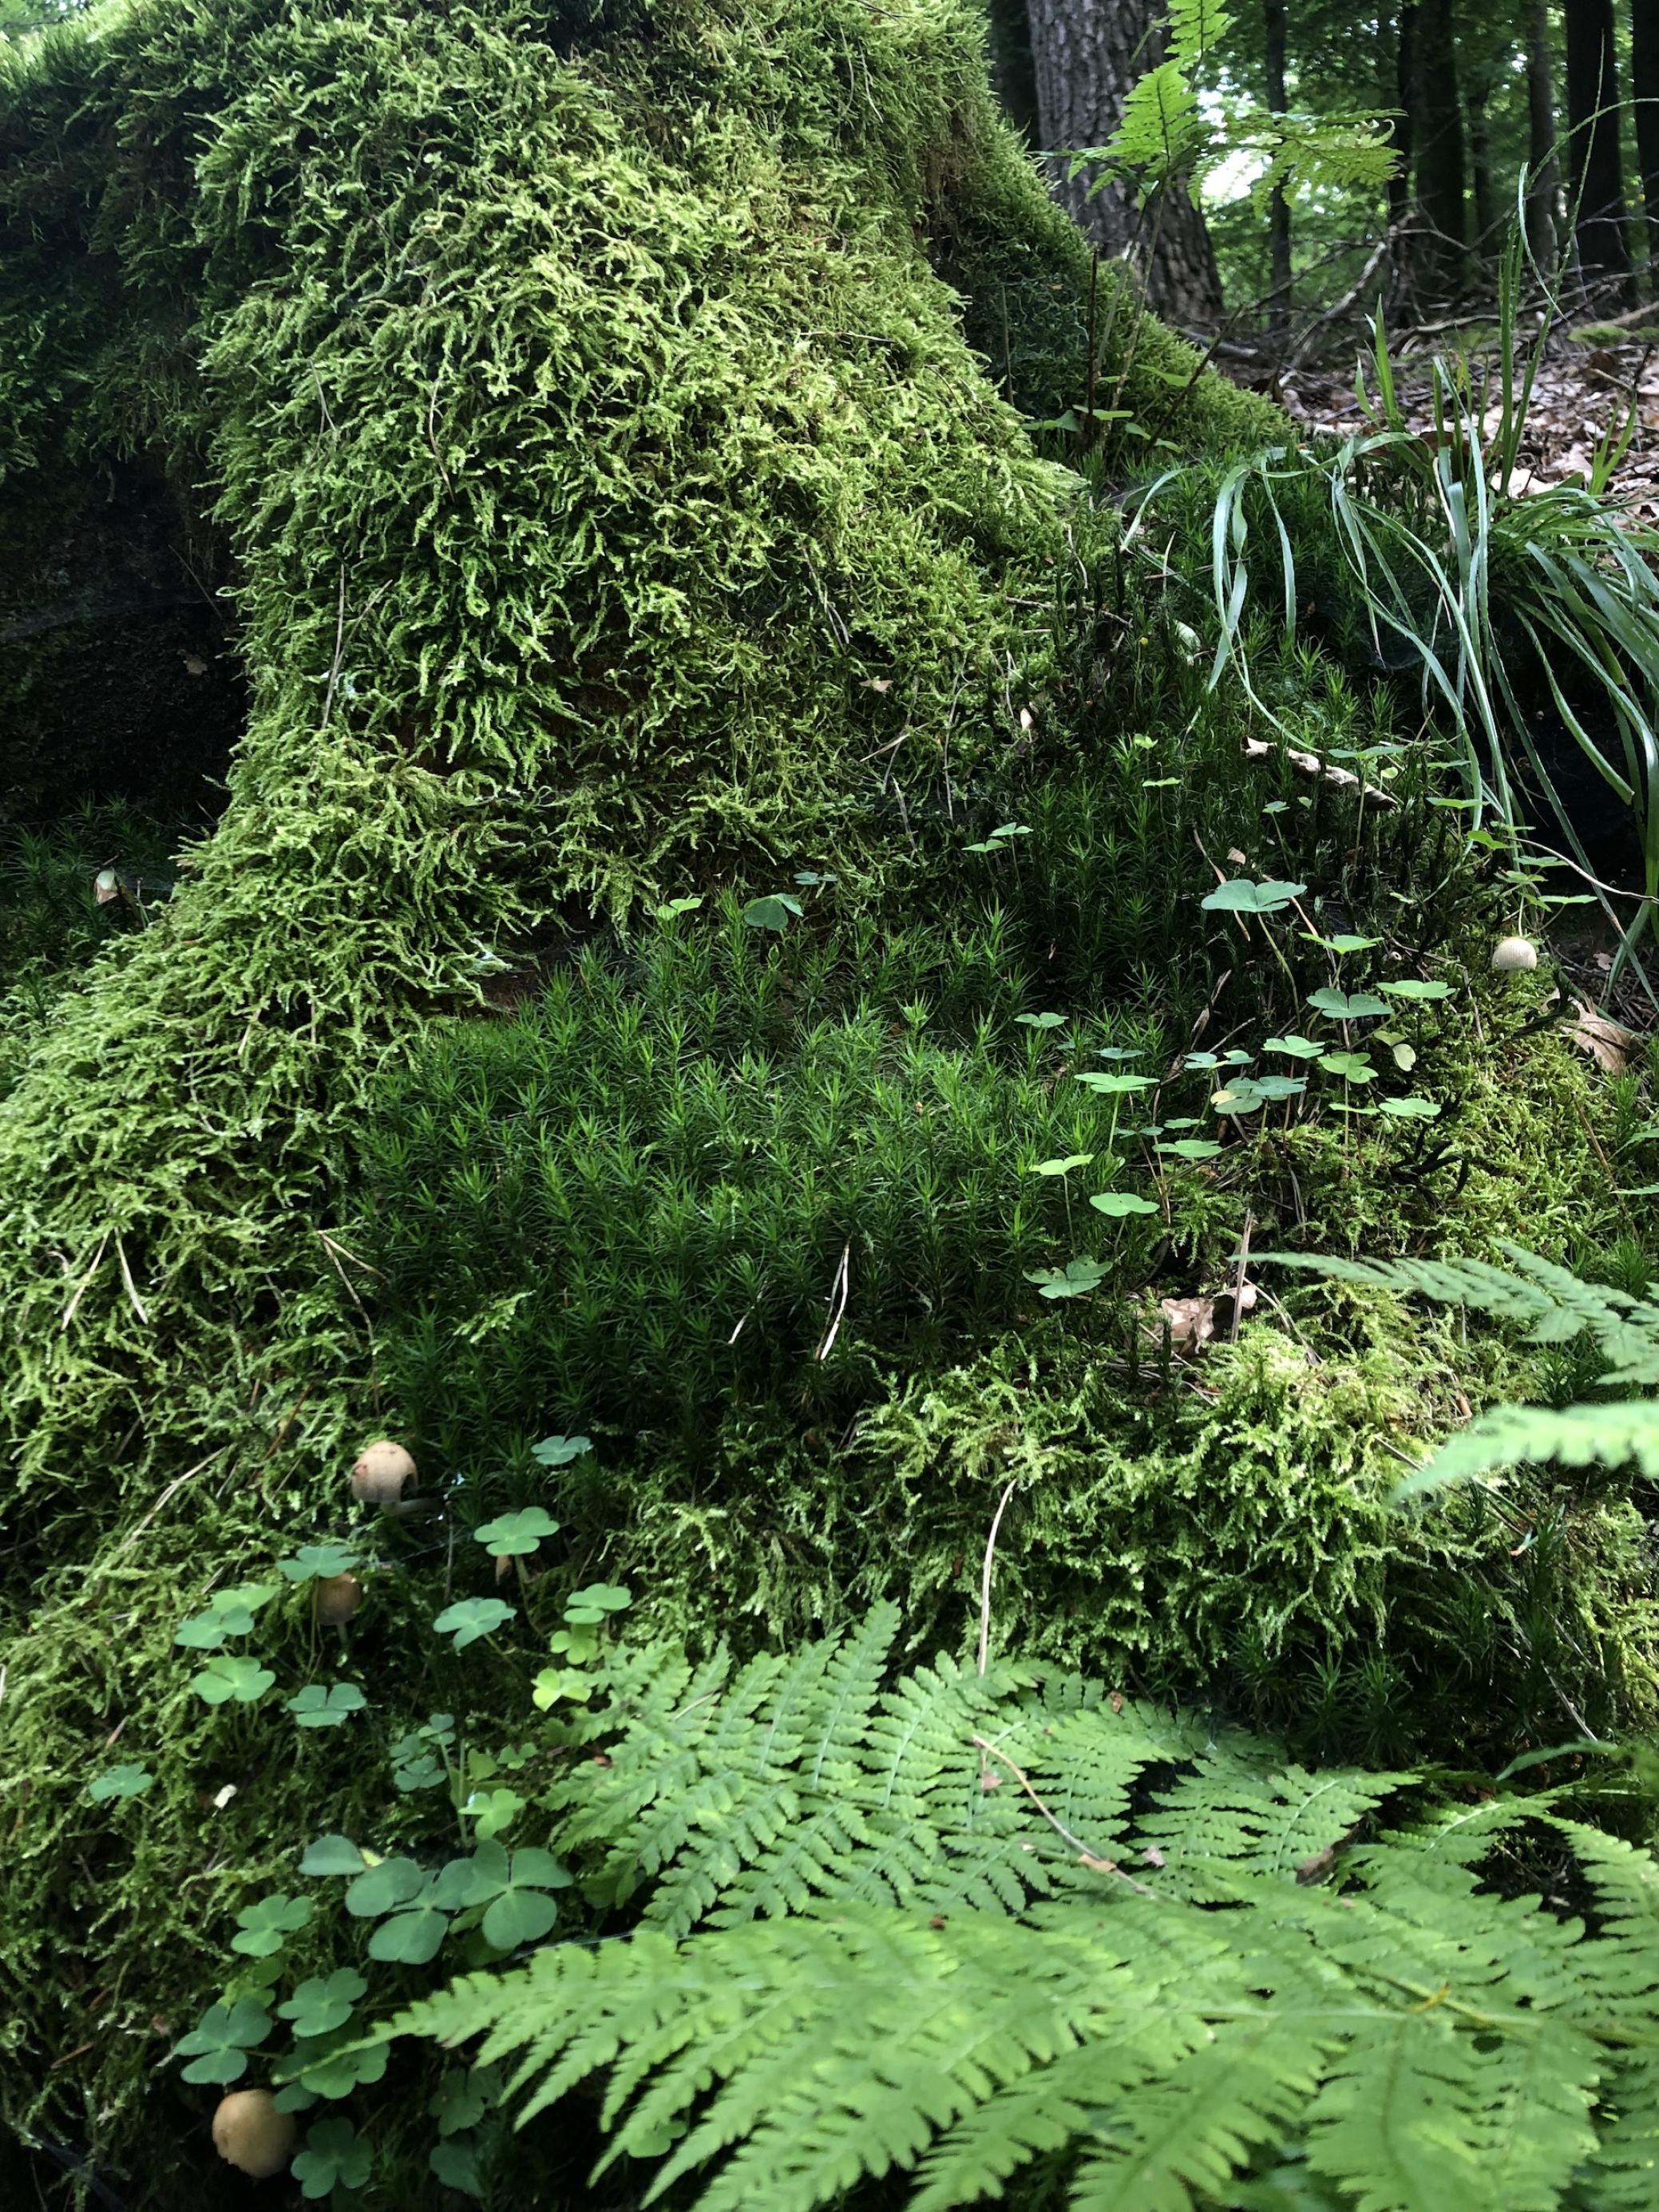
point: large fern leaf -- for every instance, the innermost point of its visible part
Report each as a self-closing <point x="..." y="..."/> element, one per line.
<point x="942" y="1928"/>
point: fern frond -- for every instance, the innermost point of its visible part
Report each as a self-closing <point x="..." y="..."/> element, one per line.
<point x="1513" y="1436"/>
<point x="945" y="1927"/>
<point x="1556" y="1306"/>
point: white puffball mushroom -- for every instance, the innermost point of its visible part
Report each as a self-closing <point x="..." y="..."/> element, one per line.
<point x="338" y="1597"/>
<point x="384" y="1470"/>
<point x="250" y="2134"/>
<point x="1514" y="956"/>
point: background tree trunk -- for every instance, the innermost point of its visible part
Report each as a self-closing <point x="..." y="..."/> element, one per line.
<point x="1441" y="167"/>
<point x="1476" y="97"/>
<point x="1644" y="87"/>
<point x="1596" y="181"/>
<point x="1403" y="256"/>
<point x="1544" y="189"/>
<point x="1279" y="209"/>
<point x="1087" y="53"/>
<point x="1012" y="74"/>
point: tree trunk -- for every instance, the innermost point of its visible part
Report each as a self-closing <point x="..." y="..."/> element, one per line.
<point x="1543" y="188"/>
<point x="1087" y="54"/>
<point x="1402" y="257"/>
<point x="1013" y="77"/>
<point x="1476" y="98"/>
<point x="1278" y="208"/>
<point x="1595" y="171"/>
<point x="1441" y="168"/>
<point x="1644" y="87"/>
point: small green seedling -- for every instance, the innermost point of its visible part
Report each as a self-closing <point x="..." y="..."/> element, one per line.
<point x="516" y="1535"/>
<point x="230" y="1679"/>
<point x="335" y="2157"/>
<point x="315" y="1707"/>
<point x="1074" y="1280"/>
<point x="471" y="1618"/>
<point x="217" y="2046"/>
<point x="119" y="1781"/>
<point x="559" y="1451"/>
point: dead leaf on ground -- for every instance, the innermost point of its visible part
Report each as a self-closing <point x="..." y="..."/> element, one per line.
<point x="1191" y="1321"/>
<point x="1608" y="1043"/>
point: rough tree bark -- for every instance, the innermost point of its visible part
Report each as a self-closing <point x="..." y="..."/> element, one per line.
<point x="1012" y="75"/>
<point x="1596" y="179"/>
<point x="1477" y="96"/>
<point x="1544" y="187"/>
<point x="1644" y="89"/>
<point x="1402" y="256"/>
<point x="1441" y="167"/>
<point x="1278" y="208"/>
<point x="1087" y="53"/>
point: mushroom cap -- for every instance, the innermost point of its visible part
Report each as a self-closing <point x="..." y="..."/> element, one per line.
<point x="250" y="2134"/>
<point x="384" y="1470"/>
<point x="338" y="1597"/>
<point x="1512" y="955"/>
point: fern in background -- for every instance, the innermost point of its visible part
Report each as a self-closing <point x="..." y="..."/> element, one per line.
<point x="968" y="1928"/>
<point x="1558" y="1307"/>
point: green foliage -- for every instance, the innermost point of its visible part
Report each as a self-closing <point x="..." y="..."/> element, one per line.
<point x="1560" y="1309"/>
<point x="951" y="1928"/>
<point x="1508" y="610"/>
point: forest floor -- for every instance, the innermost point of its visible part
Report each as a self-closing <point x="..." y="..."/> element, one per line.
<point x="1591" y="389"/>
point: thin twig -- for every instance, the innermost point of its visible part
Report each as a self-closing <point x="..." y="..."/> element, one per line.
<point x="842" y="1277"/>
<point x="126" y="1277"/>
<point x="85" y="1283"/>
<point x="1089" y="1858"/>
<point x="985" y="1578"/>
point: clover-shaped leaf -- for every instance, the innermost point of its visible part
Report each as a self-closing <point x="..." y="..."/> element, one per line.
<point x="323" y="2002"/>
<point x="1295" y="1047"/>
<point x="1344" y="942"/>
<point x="227" y="1612"/>
<point x="1116" y="1204"/>
<point x="1240" y="1095"/>
<point x="1060" y="1167"/>
<point x="330" y="2065"/>
<point x="1117" y="1052"/>
<point x="312" y="1562"/>
<point x="456" y="2165"/>
<point x="1409" y="988"/>
<point x="460" y="2100"/>
<point x="772" y="913"/>
<point x="335" y="2155"/>
<point x="424" y="1771"/>
<point x="332" y="1855"/>
<point x="1242" y="897"/>
<point x="1041" y="1021"/>
<point x="1346" y="1006"/>
<point x="411" y="1937"/>
<point x="266" y="1926"/>
<point x="316" y="1707"/>
<point x="514" y="1535"/>
<point x="383" y="1888"/>
<point x="512" y="1887"/>
<point x="555" y="1682"/>
<point x="493" y="1812"/>
<point x="1113" y="1086"/>
<point x="587" y="1607"/>
<point x="231" y="1679"/>
<point x="1074" y="1280"/>
<point x="1191" y="1148"/>
<point x="559" y="1451"/>
<point x="1279" y="1086"/>
<point x="1409" y="1109"/>
<point x="119" y="1781"/>
<point x="1352" y="1066"/>
<point x="1202" y="1062"/>
<point x="471" y="1618"/>
<point x="217" y="2046"/>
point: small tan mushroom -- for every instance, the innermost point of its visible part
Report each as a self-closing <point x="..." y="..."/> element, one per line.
<point x="250" y="2134"/>
<point x="383" y="1472"/>
<point x="338" y="1597"/>
<point x="1513" y="955"/>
